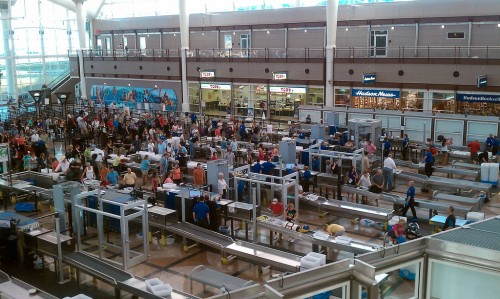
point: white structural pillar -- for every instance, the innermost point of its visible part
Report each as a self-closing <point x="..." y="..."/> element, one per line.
<point x="80" y="23"/>
<point x="184" y="26"/>
<point x="332" y="9"/>
<point x="8" y="44"/>
<point x="41" y="31"/>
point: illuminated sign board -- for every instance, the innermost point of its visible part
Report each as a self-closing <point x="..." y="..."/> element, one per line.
<point x="287" y="89"/>
<point x="216" y="86"/>
<point x="376" y="93"/>
<point x="483" y="98"/>
<point x="207" y="74"/>
<point x="482" y="81"/>
<point x="369" y="78"/>
<point x="280" y="76"/>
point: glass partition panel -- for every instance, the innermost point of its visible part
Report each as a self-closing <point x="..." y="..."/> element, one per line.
<point x="392" y="124"/>
<point x="480" y="130"/>
<point x="418" y="129"/>
<point x="315" y="96"/>
<point x="194" y="96"/>
<point x="402" y="281"/>
<point x="314" y="114"/>
<point x="340" y="291"/>
<point x="360" y="116"/>
<point x="453" y="280"/>
<point x="450" y="129"/>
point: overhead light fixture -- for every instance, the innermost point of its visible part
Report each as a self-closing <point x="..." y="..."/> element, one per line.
<point x="392" y="28"/>
<point x="347" y="29"/>
<point x="234" y="33"/>
<point x="498" y="25"/>
<point x="203" y="33"/>
<point x="268" y="30"/>
<point x="442" y="26"/>
<point x="129" y="84"/>
<point x="305" y="30"/>
<point x="175" y="34"/>
<point x="105" y="83"/>
<point x="156" y="86"/>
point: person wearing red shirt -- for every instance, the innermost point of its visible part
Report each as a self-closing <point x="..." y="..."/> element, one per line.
<point x="474" y="148"/>
<point x="215" y="157"/>
<point x="277" y="208"/>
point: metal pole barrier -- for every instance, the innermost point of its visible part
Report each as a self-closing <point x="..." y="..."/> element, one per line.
<point x="59" y="250"/>
<point x="254" y="217"/>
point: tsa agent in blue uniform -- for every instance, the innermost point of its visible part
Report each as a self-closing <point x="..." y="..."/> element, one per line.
<point x="410" y="201"/>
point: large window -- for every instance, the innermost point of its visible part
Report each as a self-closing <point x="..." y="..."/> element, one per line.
<point x="412" y="100"/>
<point x="443" y="102"/>
<point x="249" y="100"/>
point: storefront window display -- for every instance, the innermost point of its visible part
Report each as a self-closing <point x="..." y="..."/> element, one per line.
<point x="412" y="100"/>
<point x="443" y="102"/>
<point x="478" y="104"/>
<point x="315" y="96"/>
<point x="194" y="96"/>
<point x="216" y="98"/>
<point x="284" y="101"/>
<point x="376" y="99"/>
<point x="249" y="100"/>
<point x="342" y="97"/>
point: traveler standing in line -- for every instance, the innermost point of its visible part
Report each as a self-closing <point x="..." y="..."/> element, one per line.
<point x="474" y="148"/>
<point x="145" y="165"/>
<point x="388" y="171"/>
<point x="222" y="186"/>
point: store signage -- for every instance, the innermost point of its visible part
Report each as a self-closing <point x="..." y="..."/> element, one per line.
<point x="487" y="98"/>
<point x="280" y="76"/>
<point x="482" y="81"/>
<point x="369" y="78"/>
<point x="287" y="89"/>
<point x="376" y="93"/>
<point x="207" y="74"/>
<point x="216" y="86"/>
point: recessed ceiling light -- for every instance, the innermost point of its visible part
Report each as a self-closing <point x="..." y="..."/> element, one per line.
<point x="392" y="28"/>
<point x="442" y="26"/>
<point x="268" y="31"/>
<point x="498" y="24"/>
<point x="175" y="34"/>
<point x="156" y="86"/>
<point x="347" y="29"/>
<point x="234" y="33"/>
<point x="129" y="84"/>
<point x="305" y="30"/>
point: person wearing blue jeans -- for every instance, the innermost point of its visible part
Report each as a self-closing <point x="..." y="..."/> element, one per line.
<point x="388" y="172"/>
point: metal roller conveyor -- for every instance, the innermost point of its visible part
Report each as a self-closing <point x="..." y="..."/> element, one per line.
<point x="257" y="254"/>
<point x="440" y="182"/>
<point x="398" y="199"/>
<point x="354" y="247"/>
<point x="374" y="213"/>
<point x="450" y="171"/>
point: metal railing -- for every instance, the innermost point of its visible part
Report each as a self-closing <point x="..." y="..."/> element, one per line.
<point x="479" y="52"/>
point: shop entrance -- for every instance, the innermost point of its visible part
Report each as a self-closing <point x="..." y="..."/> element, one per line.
<point x="378" y="43"/>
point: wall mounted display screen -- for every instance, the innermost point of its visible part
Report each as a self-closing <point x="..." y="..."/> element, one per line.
<point x="157" y="98"/>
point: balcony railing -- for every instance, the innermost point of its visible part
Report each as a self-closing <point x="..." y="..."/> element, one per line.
<point x="485" y="52"/>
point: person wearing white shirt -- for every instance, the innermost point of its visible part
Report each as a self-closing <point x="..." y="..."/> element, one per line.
<point x="151" y="147"/>
<point x="222" y="186"/>
<point x="388" y="172"/>
<point x="63" y="165"/>
<point x="269" y="128"/>
<point x="365" y="180"/>
<point x="35" y="137"/>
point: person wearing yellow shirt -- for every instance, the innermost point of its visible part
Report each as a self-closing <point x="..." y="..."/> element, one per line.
<point x="334" y="229"/>
<point x="129" y="179"/>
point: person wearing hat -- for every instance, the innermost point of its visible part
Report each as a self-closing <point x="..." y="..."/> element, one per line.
<point x="63" y="166"/>
<point x="333" y="230"/>
<point x="277" y="207"/>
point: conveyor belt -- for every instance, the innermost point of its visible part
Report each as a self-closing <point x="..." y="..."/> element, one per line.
<point x="200" y="235"/>
<point x="440" y="169"/>
<point x="88" y="263"/>
<point x="255" y="253"/>
<point x="374" y="213"/>
<point x="354" y="247"/>
<point x="491" y="225"/>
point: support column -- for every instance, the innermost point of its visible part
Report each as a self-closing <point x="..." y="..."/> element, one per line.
<point x="184" y="26"/>
<point x="80" y="23"/>
<point x="42" y="44"/>
<point x="332" y="9"/>
<point x="68" y="31"/>
<point x="10" y="60"/>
